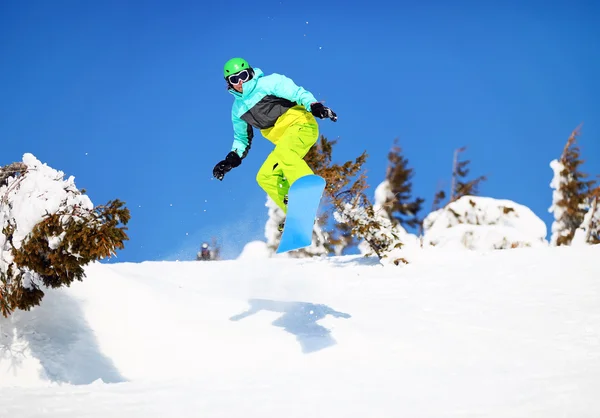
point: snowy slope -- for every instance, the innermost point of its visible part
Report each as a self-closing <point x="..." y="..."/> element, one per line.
<point x="512" y="333"/>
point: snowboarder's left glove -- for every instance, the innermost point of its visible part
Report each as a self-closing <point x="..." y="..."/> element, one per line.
<point x="223" y="167"/>
<point x="322" y="112"/>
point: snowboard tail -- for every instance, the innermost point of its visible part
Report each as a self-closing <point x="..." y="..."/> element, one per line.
<point x="304" y="198"/>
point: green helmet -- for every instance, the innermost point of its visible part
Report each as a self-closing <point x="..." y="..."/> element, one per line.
<point x="235" y="65"/>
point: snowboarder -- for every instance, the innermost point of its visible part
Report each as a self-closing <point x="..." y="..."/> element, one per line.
<point x="204" y="253"/>
<point x="284" y="113"/>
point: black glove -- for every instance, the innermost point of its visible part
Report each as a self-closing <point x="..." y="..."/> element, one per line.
<point x="232" y="160"/>
<point x="322" y="112"/>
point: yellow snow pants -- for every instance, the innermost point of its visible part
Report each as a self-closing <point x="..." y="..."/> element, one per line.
<point x="294" y="133"/>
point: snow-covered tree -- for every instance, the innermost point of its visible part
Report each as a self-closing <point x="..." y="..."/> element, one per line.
<point x="394" y="208"/>
<point x="337" y="236"/>
<point x="374" y="228"/>
<point x="572" y="196"/>
<point x="345" y="193"/>
<point x="589" y="230"/>
<point x="391" y="230"/>
<point x="49" y="231"/>
<point x="484" y="223"/>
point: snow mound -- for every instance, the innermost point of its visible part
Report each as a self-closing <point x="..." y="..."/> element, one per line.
<point x="255" y="249"/>
<point x="484" y="223"/>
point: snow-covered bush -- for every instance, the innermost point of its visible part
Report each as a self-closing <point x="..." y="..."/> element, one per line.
<point x="484" y="223"/>
<point x="49" y="231"/>
<point x="389" y="230"/>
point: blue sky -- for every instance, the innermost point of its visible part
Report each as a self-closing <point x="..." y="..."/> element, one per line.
<point x="128" y="97"/>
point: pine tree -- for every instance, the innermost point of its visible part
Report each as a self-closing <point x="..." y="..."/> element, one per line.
<point x="402" y="208"/>
<point x="573" y="195"/>
<point x="345" y="192"/>
<point x="460" y="187"/>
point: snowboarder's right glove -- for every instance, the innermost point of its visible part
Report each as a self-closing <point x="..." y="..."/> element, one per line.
<point x="232" y="160"/>
<point x="322" y="112"/>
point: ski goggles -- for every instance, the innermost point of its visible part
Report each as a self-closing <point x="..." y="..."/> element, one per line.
<point x="243" y="75"/>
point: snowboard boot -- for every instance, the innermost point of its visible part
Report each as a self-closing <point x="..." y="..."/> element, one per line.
<point x="282" y="224"/>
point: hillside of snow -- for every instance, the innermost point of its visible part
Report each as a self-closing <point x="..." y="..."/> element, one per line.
<point x="507" y="333"/>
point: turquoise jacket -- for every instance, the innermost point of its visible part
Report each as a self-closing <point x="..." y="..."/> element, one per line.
<point x="263" y="101"/>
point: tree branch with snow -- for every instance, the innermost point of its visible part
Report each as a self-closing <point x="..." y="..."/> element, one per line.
<point x="50" y="231"/>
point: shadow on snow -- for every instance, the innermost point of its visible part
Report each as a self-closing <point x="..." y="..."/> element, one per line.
<point x="57" y="334"/>
<point x="299" y="319"/>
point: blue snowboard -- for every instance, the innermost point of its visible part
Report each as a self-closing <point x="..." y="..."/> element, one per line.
<point x="303" y="201"/>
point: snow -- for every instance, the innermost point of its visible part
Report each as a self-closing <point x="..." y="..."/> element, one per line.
<point x="37" y="193"/>
<point x="464" y="329"/>
<point x="254" y="250"/>
<point x="506" y="333"/>
<point x="484" y="223"/>
<point x="383" y="194"/>
<point x="275" y="217"/>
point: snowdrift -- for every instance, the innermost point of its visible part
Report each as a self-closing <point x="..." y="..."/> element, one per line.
<point x="454" y="333"/>
<point x="484" y="223"/>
